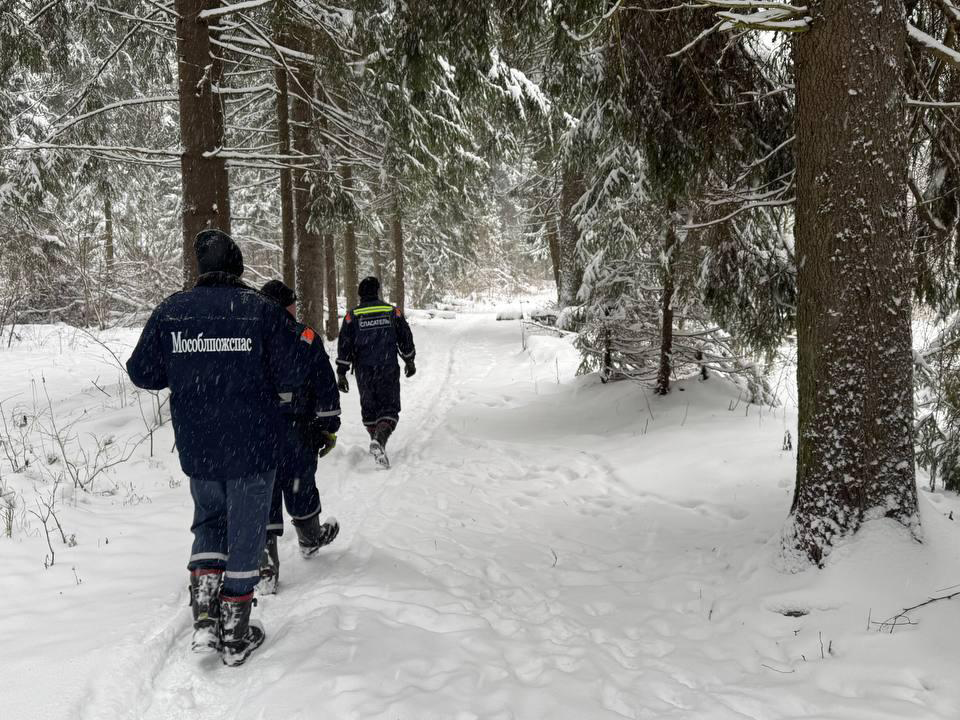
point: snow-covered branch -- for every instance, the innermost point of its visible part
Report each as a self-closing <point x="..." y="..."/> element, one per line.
<point x="236" y="7"/>
<point x="759" y="15"/>
<point x="929" y="42"/>
<point x="132" y="102"/>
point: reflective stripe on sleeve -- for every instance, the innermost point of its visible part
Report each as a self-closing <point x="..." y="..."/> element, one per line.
<point x="328" y="413"/>
<point x="209" y="556"/>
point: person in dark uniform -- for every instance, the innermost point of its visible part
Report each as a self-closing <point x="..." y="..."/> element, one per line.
<point x="227" y="353"/>
<point x="373" y="334"/>
<point x="312" y="417"/>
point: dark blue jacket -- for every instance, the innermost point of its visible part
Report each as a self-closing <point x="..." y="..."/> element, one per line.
<point x="312" y="408"/>
<point x="227" y="353"/>
<point x="317" y="397"/>
<point x="374" y="333"/>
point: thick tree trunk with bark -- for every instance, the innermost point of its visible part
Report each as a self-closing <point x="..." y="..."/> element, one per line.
<point x="666" y="302"/>
<point x="350" y="279"/>
<point x="855" y="455"/>
<point x="399" y="289"/>
<point x="571" y="270"/>
<point x="288" y="221"/>
<point x="310" y="266"/>
<point x="206" y="188"/>
<point x="330" y="264"/>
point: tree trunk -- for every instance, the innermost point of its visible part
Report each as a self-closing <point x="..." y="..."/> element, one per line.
<point x="855" y="455"/>
<point x="288" y="221"/>
<point x="397" y="296"/>
<point x="310" y="267"/>
<point x="666" y="302"/>
<point x="553" y="241"/>
<point x="350" y="279"/>
<point x="206" y="188"/>
<point x="376" y="256"/>
<point x="571" y="271"/>
<point x="108" y="250"/>
<point x="330" y="263"/>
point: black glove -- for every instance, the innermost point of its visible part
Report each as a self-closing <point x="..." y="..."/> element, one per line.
<point x="409" y="369"/>
<point x="342" y="384"/>
<point x="315" y="431"/>
<point x="328" y="441"/>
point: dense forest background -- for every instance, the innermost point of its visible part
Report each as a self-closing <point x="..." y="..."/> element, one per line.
<point x="706" y="185"/>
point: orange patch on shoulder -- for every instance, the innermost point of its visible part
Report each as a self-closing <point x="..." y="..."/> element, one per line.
<point x="308" y="335"/>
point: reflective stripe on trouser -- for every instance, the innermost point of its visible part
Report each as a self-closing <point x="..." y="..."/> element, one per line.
<point x="296" y="485"/>
<point x="230" y="528"/>
<point x="379" y="388"/>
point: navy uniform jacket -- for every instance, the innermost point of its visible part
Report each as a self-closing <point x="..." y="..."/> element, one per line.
<point x="227" y="353"/>
<point x="374" y="333"/>
<point x="318" y="396"/>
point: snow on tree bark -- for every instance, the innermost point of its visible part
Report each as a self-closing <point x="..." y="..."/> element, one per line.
<point x="205" y="183"/>
<point x="855" y="455"/>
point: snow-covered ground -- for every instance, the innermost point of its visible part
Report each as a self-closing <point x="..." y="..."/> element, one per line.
<point x="544" y="547"/>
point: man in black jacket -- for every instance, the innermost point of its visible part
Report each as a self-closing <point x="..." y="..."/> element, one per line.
<point x="226" y="352"/>
<point x="371" y="337"/>
<point x="312" y="416"/>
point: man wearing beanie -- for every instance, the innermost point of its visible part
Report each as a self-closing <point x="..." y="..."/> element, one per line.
<point x="311" y="416"/>
<point x="371" y="337"/>
<point x="227" y="353"/>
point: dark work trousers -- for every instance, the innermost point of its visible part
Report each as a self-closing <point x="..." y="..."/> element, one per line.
<point x="379" y="387"/>
<point x="296" y="484"/>
<point x="230" y="528"/>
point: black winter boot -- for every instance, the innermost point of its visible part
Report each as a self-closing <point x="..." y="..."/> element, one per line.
<point x="383" y="431"/>
<point x="313" y="535"/>
<point x="240" y="638"/>
<point x="269" y="567"/>
<point x="205" y="604"/>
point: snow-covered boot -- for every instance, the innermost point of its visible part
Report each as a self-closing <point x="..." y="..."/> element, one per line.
<point x="379" y="454"/>
<point x="205" y="604"/>
<point x="384" y="429"/>
<point x="313" y="534"/>
<point x="269" y="567"/>
<point x="240" y="637"/>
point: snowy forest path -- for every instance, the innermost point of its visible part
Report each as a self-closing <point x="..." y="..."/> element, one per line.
<point x="533" y="552"/>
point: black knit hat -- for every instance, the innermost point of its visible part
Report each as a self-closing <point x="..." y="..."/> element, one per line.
<point x="216" y="251"/>
<point x="369" y="288"/>
<point x="279" y="293"/>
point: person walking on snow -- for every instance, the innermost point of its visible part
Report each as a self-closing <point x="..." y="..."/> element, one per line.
<point x="371" y="337"/>
<point x="311" y="417"/>
<point x="226" y="352"/>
